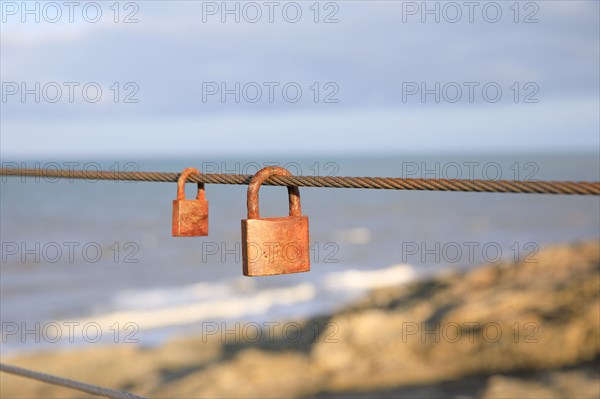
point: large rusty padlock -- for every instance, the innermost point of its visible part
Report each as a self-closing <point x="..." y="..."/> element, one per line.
<point x="190" y="217"/>
<point x="274" y="245"/>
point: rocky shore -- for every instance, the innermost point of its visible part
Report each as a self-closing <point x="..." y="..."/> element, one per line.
<point x="530" y="329"/>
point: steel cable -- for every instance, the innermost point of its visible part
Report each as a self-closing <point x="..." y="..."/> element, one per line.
<point x="64" y="382"/>
<point x="385" y="183"/>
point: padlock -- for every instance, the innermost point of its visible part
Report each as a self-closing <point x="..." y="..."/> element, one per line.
<point x="274" y="245"/>
<point x="190" y="217"/>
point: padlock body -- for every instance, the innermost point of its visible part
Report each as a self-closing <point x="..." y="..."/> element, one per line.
<point x="275" y="246"/>
<point x="190" y="218"/>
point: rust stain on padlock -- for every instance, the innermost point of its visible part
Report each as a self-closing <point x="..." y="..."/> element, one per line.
<point x="190" y="217"/>
<point x="274" y="245"/>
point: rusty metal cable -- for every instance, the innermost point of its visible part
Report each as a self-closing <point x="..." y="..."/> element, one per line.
<point x="386" y="183"/>
<point x="71" y="384"/>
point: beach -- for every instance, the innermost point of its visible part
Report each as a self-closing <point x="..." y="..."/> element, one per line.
<point x="442" y="158"/>
<point x="526" y="329"/>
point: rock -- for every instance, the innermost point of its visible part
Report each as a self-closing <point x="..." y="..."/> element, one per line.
<point x="510" y="330"/>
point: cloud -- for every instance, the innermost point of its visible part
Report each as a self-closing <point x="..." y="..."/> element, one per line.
<point x="539" y="127"/>
<point x="370" y="54"/>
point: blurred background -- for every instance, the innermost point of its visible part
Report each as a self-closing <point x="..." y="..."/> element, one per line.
<point x="371" y="53"/>
<point x="493" y="90"/>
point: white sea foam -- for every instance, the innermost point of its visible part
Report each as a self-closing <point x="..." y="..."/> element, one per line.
<point x="158" y="308"/>
<point x="166" y="307"/>
<point x="368" y="279"/>
<point x="156" y="311"/>
<point x="359" y="235"/>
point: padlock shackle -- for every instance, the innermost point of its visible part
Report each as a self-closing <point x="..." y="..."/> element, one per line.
<point x="181" y="183"/>
<point x="260" y="177"/>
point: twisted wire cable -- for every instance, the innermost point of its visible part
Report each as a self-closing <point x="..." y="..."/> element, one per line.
<point x="384" y="183"/>
<point x="64" y="382"/>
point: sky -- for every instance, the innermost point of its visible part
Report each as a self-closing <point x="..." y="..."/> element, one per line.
<point x="168" y="78"/>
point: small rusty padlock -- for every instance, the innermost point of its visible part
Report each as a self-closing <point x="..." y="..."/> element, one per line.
<point x="190" y="217"/>
<point x="274" y="245"/>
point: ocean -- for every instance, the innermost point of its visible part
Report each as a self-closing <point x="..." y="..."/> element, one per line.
<point x="94" y="261"/>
